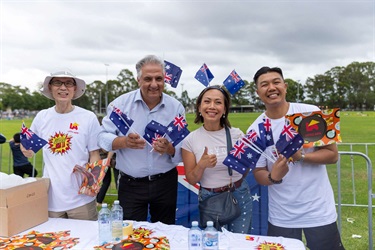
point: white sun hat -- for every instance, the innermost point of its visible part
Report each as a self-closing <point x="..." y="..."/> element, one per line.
<point x="81" y="85"/>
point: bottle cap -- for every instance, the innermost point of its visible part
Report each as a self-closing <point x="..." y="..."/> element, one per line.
<point x="194" y="223"/>
<point x="104" y="205"/>
<point x="210" y="223"/>
<point x="116" y="202"/>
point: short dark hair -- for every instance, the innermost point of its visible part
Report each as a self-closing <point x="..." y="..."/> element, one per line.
<point x="17" y="137"/>
<point x="265" y="70"/>
<point x="224" y="121"/>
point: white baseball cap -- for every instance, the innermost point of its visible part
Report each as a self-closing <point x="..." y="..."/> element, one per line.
<point x="80" y="84"/>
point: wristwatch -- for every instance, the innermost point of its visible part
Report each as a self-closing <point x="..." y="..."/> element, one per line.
<point x="302" y="158"/>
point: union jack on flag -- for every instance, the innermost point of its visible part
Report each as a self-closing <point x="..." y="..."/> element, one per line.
<point x="241" y="157"/>
<point x="26" y="132"/>
<point x="177" y="129"/>
<point x="251" y="135"/>
<point x="238" y="149"/>
<point x="288" y="131"/>
<point x="30" y="140"/>
<point x="290" y="141"/>
<point x="156" y="137"/>
<point x="180" y="122"/>
<point x="265" y="132"/>
<point x="172" y="74"/>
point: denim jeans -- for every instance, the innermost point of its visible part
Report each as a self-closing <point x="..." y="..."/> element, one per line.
<point x="242" y="223"/>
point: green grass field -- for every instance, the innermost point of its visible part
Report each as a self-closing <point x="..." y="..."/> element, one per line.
<point x="356" y="127"/>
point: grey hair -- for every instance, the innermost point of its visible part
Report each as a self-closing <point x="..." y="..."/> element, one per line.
<point x="150" y="59"/>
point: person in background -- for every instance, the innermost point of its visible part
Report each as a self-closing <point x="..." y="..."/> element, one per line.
<point x="21" y="164"/>
<point x="299" y="192"/>
<point x="2" y="139"/>
<point x="71" y="133"/>
<point x="148" y="174"/>
<point x="108" y="175"/>
<point x="204" y="150"/>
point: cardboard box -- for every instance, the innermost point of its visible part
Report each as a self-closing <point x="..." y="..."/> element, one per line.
<point x="23" y="207"/>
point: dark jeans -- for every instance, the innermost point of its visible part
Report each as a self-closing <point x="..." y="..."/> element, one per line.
<point x="106" y="183"/>
<point x="158" y="197"/>
<point x="318" y="238"/>
<point x="25" y="169"/>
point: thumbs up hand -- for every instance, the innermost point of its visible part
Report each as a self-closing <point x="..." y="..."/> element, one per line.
<point x="207" y="160"/>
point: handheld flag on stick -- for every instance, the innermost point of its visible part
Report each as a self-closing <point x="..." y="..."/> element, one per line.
<point x="265" y="132"/>
<point x="154" y="131"/>
<point x="265" y="135"/>
<point x="30" y="140"/>
<point x="290" y="141"/>
<point x="241" y="157"/>
<point x="233" y="83"/>
<point x="204" y="75"/>
<point x="177" y="129"/>
<point x="172" y="74"/>
<point x="253" y="141"/>
<point x="121" y="120"/>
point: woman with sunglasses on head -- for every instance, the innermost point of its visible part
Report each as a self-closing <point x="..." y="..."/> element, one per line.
<point x="71" y="133"/>
<point x="204" y="150"/>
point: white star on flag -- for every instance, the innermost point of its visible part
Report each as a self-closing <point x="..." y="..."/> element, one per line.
<point x="256" y="197"/>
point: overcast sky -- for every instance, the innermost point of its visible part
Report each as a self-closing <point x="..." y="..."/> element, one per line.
<point x="302" y="37"/>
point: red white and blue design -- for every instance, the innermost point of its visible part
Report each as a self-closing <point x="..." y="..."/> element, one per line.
<point x="30" y="140"/>
<point x="204" y="75"/>
<point x="121" y="120"/>
<point x="154" y="131"/>
<point x="177" y="129"/>
<point x="233" y="83"/>
<point x="242" y="157"/>
<point x="290" y="141"/>
<point x="172" y="74"/>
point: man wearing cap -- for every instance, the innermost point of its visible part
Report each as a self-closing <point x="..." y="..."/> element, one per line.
<point x="71" y="133"/>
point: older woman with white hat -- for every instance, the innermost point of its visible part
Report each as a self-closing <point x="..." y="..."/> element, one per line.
<point x="71" y="133"/>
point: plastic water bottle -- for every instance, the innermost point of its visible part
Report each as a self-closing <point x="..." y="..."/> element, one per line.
<point x="195" y="237"/>
<point x="104" y="220"/>
<point x="210" y="237"/>
<point x="116" y="221"/>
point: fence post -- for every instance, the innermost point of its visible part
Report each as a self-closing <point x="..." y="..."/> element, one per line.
<point x="369" y="187"/>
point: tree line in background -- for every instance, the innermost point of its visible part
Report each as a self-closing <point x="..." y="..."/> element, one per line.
<point x="351" y="87"/>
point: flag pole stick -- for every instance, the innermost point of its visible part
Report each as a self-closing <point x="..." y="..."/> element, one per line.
<point x="257" y="149"/>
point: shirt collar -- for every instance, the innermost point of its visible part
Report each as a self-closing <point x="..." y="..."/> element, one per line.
<point x="138" y="97"/>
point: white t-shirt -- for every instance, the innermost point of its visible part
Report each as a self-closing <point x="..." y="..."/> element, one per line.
<point x="305" y="197"/>
<point x="70" y="138"/>
<point x="216" y="143"/>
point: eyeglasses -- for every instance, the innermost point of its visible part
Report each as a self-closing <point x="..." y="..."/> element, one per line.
<point x="67" y="84"/>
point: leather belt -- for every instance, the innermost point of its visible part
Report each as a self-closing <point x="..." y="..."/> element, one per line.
<point x="148" y="178"/>
<point x="234" y="186"/>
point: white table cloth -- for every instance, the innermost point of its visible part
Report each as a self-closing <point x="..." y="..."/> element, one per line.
<point x="87" y="232"/>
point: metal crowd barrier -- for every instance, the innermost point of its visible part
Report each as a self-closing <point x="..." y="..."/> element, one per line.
<point x="369" y="187"/>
